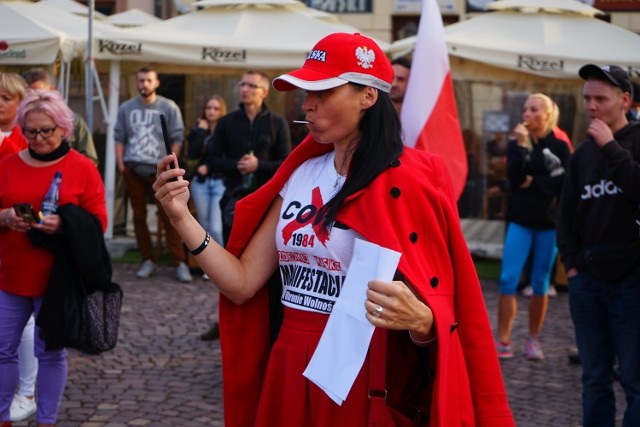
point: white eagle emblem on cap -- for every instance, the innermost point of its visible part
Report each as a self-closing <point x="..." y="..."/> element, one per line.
<point x="365" y="57"/>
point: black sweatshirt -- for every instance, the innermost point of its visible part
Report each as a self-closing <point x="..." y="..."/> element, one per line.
<point x="235" y="135"/>
<point x="534" y="206"/>
<point x="599" y="205"/>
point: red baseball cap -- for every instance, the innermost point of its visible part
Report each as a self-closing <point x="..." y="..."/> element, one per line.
<point x="338" y="59"/>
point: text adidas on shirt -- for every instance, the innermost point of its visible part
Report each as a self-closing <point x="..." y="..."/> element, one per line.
<point x="603" y="188"/>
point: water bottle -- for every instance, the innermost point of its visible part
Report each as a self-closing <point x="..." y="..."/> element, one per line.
<point x="552" y="162"/>
<point x="249" y="180"/>
<point x="51" y="199"/>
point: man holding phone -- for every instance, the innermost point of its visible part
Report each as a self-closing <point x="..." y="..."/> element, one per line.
<point x="139" y="146"/>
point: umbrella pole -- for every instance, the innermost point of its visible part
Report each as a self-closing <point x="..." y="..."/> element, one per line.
<point x="89" y="66"/>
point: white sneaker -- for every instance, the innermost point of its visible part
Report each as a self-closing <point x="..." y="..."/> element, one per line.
<point x="146" y="269"/>
<point x="22" y="408"/>
<point x="551" y="292"/>
<point x="183" y="274"/>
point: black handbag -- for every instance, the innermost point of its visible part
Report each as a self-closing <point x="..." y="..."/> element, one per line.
<point x="100" y="320"/>
<point x="381" y="412"/>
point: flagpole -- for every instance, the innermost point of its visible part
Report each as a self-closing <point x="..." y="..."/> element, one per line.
<point x="88" y="70"/>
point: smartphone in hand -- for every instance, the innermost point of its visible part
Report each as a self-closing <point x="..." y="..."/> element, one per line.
<point x="25" y="210"/>
<point x="167" y="139"/>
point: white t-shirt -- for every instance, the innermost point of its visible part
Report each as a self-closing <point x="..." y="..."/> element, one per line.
<point x="313" y="265"/>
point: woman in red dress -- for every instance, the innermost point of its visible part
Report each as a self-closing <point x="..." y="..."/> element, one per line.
<point x="350" y="179"/>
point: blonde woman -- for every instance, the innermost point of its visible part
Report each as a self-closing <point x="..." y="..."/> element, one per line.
<point x="536" y="160"/>
<point x="12" y="90"/>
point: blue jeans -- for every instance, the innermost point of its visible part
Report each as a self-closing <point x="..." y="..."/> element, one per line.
<point x="518" y="242"/>
<point x="606" y="317"/>
<point x="206" y="199"/>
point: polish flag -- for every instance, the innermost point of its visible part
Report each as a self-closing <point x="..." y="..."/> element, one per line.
<point x="429" y="115"/>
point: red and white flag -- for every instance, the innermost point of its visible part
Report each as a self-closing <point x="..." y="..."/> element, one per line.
<point x="429" y="115"/>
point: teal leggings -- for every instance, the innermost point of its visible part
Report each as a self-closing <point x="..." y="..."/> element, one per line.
<point x="518" y="242"/>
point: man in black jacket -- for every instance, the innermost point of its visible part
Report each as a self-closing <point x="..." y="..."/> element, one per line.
<point x="250" y="143"/>
<point x="247" y="147"/>
<point x="599" y="240"/>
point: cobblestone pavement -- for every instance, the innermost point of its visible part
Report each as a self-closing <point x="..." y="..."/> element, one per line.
<point x="161" y="374"/>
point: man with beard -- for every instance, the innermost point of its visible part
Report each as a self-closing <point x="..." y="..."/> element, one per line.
<point x="248" y="145"/>
<point x="139" y="147"/>
<point x="401" y="71"/>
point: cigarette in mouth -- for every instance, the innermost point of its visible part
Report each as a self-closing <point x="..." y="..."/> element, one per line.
<point x="525" y="123"/>
<point x="301" y="121"/>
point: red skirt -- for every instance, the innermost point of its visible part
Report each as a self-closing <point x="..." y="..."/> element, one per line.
<point x="289" y="399"/>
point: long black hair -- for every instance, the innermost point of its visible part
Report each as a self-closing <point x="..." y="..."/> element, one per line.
<point x="380" y="143"/>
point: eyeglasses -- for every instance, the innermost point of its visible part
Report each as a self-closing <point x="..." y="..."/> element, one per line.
<point x="44" y="132"/>
<point x="249" y="85"/>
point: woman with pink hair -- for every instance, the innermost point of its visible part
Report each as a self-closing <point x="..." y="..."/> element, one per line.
<point x="26" y="266"/>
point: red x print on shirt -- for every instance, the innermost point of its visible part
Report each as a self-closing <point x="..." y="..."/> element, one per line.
<point x="306" y="216"/>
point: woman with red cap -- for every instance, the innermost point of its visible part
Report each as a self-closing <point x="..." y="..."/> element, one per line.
<point x="431" y="358"/>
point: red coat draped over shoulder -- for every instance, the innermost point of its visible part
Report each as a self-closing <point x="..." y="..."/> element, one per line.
<point x="409" y="208"/>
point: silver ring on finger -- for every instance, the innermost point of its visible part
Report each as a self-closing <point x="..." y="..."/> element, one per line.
<point x="378" y="311"/>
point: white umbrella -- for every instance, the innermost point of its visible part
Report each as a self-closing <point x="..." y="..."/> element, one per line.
<point x="72" y="28"/>
<point x="550" y="43"/>
<point x="402" y="47"/>
<point x="551" y="6"/>
<point x="132" y="18"/>
<point x="29" y="42"/>
<point x="546" y="44"/>
<point x="275" y="34"/>
<point x="258" y="3"/>
<point x="72" y="6"/>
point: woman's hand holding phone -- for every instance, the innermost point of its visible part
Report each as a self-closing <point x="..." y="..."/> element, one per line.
<point x="171" y="190"/>
<point x="15" y="221"/>
<point x="167" y="142"/>
<point x="26" y="212"/>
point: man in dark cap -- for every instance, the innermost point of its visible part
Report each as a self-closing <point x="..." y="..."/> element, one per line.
<point x="599" y="241"/>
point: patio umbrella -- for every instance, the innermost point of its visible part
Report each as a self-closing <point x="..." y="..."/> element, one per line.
<point x="132" y="18"/>
<point x="275" y="34"/>
<point x="550" y="38"/>
<point x="24" y="41"/>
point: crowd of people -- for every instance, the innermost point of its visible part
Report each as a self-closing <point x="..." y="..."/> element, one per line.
<point x="276" y="230"/>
